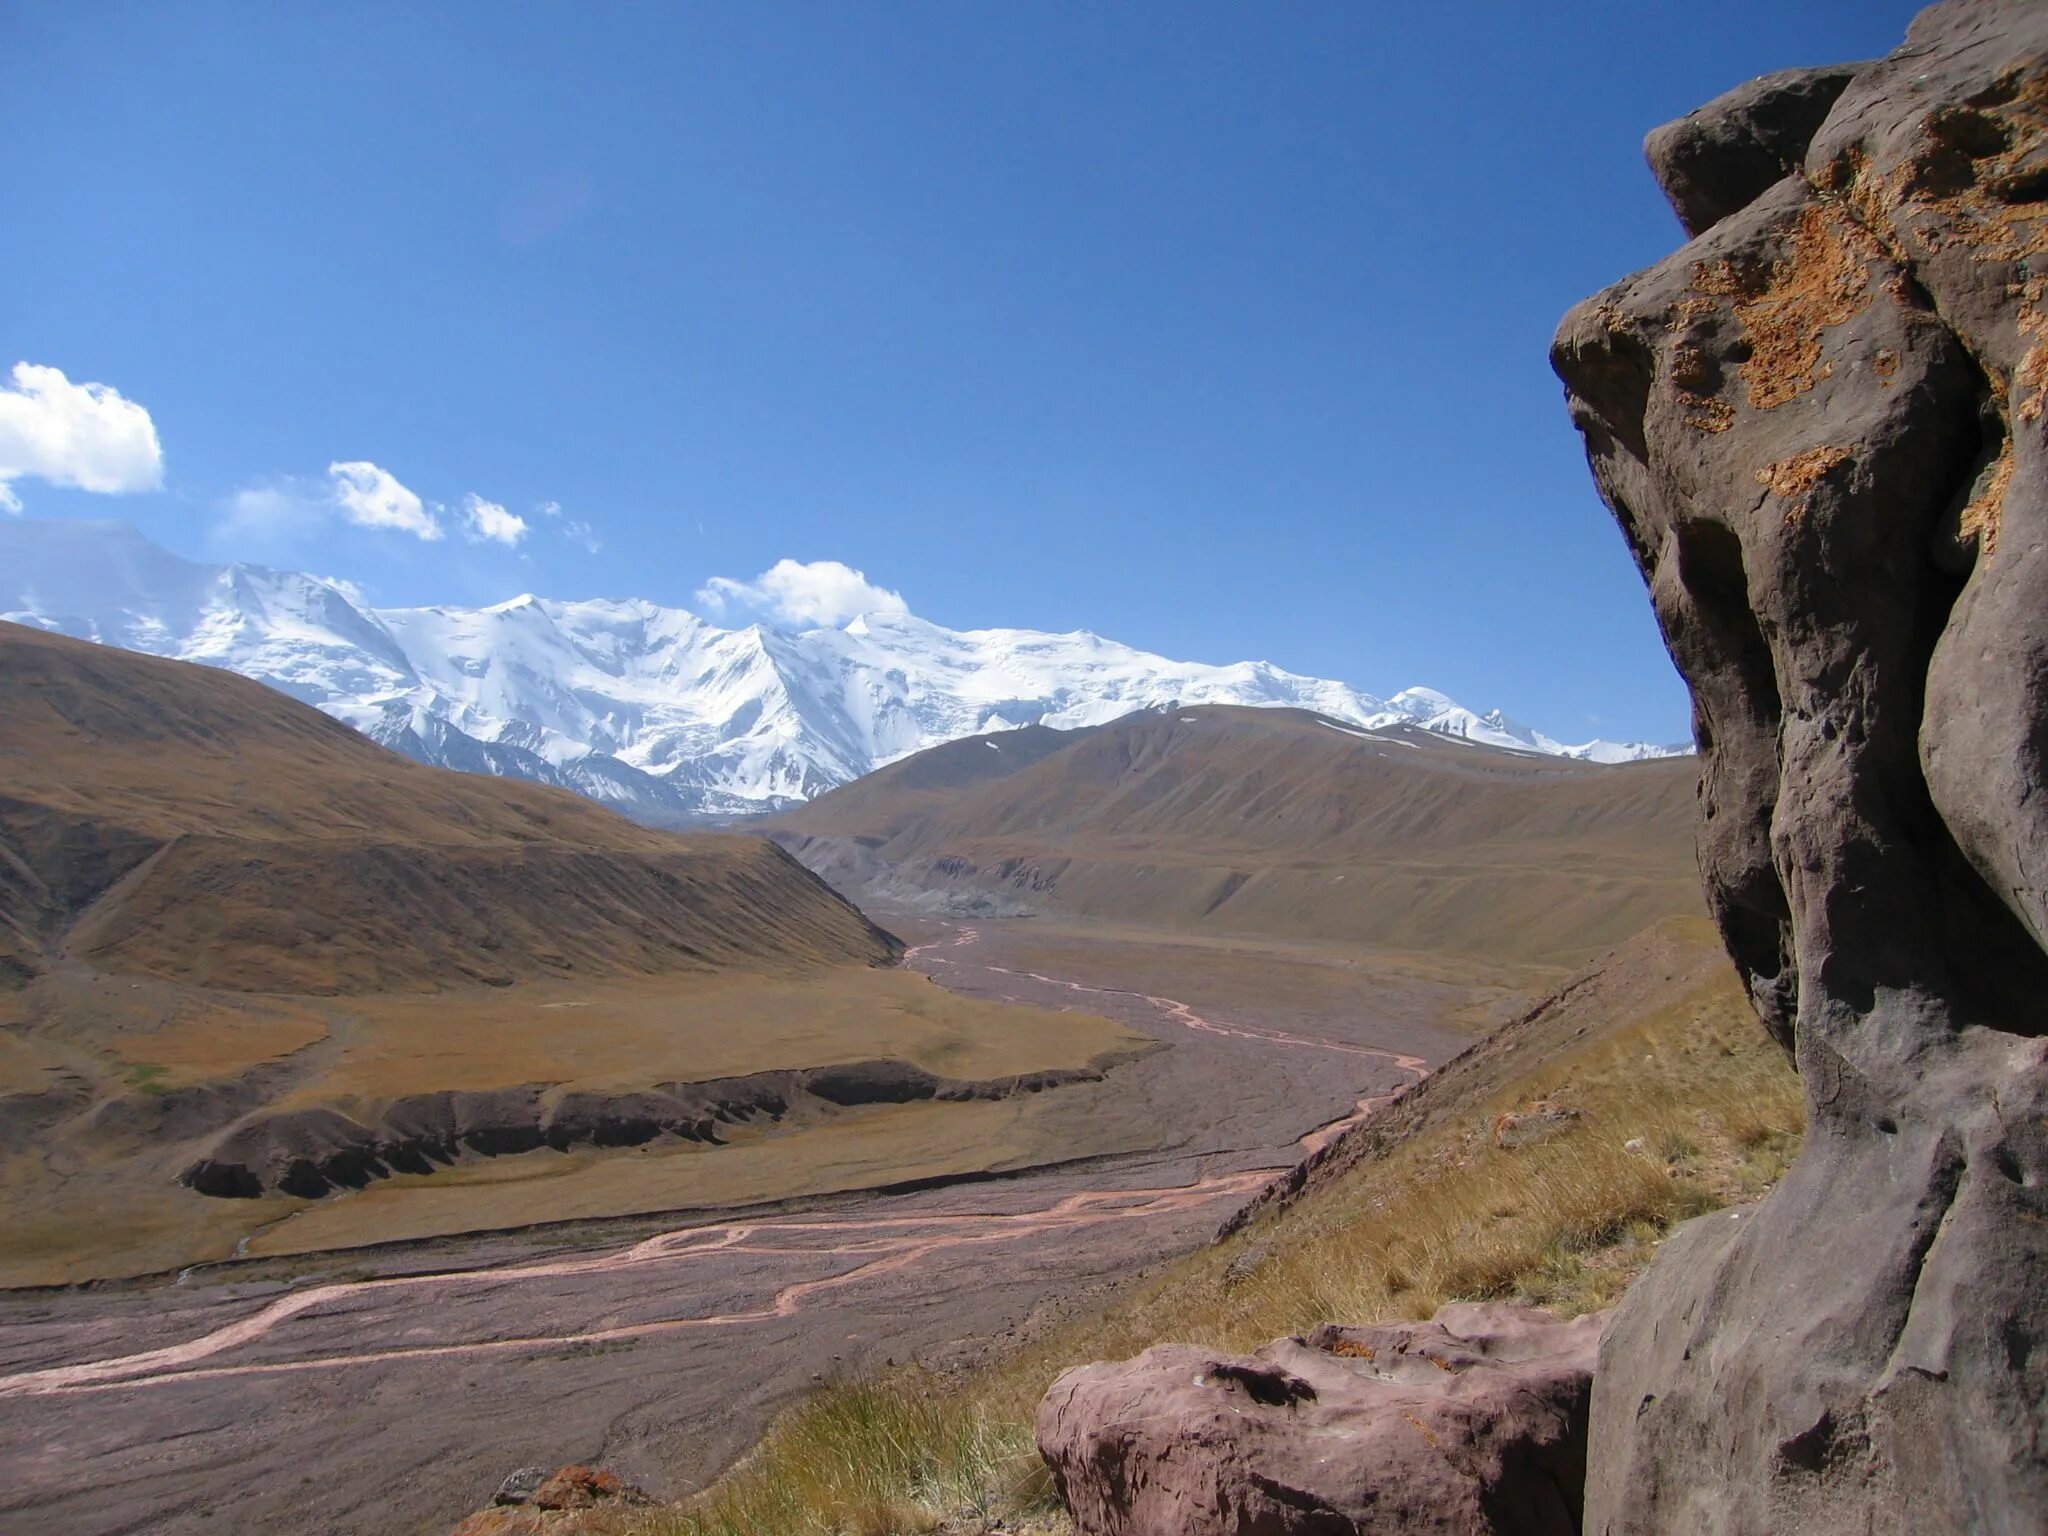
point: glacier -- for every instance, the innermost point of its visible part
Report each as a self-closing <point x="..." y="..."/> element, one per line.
<point x="650" y="709"/>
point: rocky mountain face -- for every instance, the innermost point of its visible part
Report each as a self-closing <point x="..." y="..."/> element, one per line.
<point x="648" y="709"/>
<point x="1821" y="428"/>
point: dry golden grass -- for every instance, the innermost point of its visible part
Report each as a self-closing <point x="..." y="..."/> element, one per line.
<point x="107" y="1205"/>
<point x="205" y="1038"/>
<point x="860" y="1149"/>
<point x="1684" y="1109"/>
<point x="26" y="1063"/>
<point x="632" y="1032"/>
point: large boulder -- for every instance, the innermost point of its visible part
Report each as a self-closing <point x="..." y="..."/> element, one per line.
<point x="1471" y="1425"/>
<point x="1821" y="427"/>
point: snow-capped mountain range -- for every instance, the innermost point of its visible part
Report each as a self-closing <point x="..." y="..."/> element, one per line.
<point x="649" y="709"/>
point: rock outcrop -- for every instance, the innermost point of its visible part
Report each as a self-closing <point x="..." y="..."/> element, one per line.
<point x="312" y="1152"/>
<point x="576" y="1501"/>
<point x="1471" y="1425"/>
<point x="1820" y="426"/>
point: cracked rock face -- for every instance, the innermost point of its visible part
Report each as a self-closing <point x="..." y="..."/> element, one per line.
<point x="1473" y="1424"/>
<point x="1820" y="426"/>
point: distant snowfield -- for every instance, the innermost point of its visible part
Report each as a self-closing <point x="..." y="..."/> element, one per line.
<point x="647" y="708"/>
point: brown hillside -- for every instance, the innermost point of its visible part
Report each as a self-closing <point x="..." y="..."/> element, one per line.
<point x="246" y="952"/>
<point x="184" y="823"/>
<point x="1281" y="823"/>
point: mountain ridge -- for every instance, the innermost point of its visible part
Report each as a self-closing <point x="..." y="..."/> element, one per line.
<point x="651" y="709"/>
<point x="1274" y="824"/>
<point x="166" y="821"/>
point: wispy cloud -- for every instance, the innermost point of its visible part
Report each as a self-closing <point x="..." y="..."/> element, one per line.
<point x="803" y="593"/>
<point x="277" y="514"/>
<point x="575" y="530"/>
<point x="82" y="435"/>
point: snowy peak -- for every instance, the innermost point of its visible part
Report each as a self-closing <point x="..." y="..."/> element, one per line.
<point x="647" y="708"/>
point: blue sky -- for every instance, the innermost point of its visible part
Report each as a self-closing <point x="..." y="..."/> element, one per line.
<point x="1219" y="329"/>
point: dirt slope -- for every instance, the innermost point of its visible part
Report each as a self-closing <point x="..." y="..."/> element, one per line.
<point x="178" y="822"/>
<point x="1279" y="823"/>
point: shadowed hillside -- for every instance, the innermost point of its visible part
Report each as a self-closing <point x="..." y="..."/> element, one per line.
<point x="183" y="823"/>
<point x="1274" y="823"/>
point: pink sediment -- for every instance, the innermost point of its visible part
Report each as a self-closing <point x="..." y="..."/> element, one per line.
<point x="899" y="1242"/>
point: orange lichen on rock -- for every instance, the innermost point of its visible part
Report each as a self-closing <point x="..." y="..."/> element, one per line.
<point x="1423" y="1429"/>
<point x="1706" y="414"/>
<point x="2030" y="378"/>
<point x="1978" y="182"/>
<point x="1802" y="472"/>
<point x="1786" y="308"/>
<point x="1691" y="368"/>
<point x="1985" y="515"/>
<point x="1792" y="480"/>
<point x="1693" y="376"/>
<point x="1614" y="318"/>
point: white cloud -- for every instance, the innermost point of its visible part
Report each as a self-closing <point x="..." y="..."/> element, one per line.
<point x="799" y="592"/>
<point x="487" y="521"/>
<point x="373" y="498"/>
<point x="550" y="509"/>
<point x="82" y="435"/>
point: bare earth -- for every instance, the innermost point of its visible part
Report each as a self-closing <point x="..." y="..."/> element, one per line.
<point x="388" y="1390"/>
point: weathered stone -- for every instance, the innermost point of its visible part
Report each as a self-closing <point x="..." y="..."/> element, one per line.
<point x="1531" y="1123"/>
<point x="1820" y="427"/>
<point x="585" y="1488"/>
<point x="1720" y="159"/>
<point x="519" y="1486"/>
<point x="1471" y="1425"/>
<point x="576" y="1501"/>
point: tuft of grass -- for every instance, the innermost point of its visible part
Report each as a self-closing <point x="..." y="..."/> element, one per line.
<point x="1688" y="1111"/>
<point x="890" y="1458"/>
<point x="148" y="1077"/>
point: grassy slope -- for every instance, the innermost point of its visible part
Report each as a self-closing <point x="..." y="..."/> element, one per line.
<point x="175" y="821"/>
<point x="1681" y="1106"/>
<point x="1277" y="823"/>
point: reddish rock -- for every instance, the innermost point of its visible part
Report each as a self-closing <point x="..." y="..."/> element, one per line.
<point x="1473" y="1424"/>
<point x="561" y="1505"/>
<point x="585" y="1488"/>
<point x="1532" y="1123"/>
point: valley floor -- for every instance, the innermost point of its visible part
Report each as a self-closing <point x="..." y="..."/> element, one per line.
<point x="388" y="1389"/>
